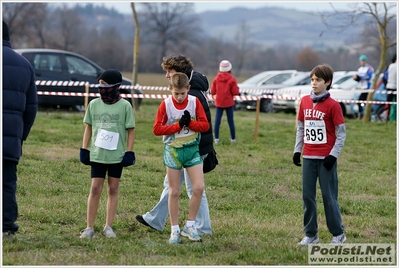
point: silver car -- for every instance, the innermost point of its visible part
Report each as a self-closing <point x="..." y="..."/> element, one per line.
<point x="267" y="83"/>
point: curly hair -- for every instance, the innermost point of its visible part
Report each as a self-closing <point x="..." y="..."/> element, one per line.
<point x="179" y="63"/>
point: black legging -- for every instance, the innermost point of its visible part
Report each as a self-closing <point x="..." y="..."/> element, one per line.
<point x="362" y="97"/>
<point x="390" y="99"/>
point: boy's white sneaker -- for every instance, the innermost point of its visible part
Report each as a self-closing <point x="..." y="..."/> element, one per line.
<point x="108" y="232"/>
<point x="338" y="240"/>
<point x="306" y="241"/>
<point x="174" y="238"/>
<point x="87" y="233"/>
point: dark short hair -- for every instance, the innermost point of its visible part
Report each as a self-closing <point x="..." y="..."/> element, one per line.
<point x="179" y="63"/>
<point x="323" y="71"/>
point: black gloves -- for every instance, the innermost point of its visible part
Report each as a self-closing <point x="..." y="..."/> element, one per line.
<point x="297" y="159"/>
<point x="185" y="119"/>
<point x="329" y="162"/>
<point x="128" y="159"/>
<point x="85" y="156"/>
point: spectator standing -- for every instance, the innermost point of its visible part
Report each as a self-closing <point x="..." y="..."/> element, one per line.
<point x="156" y="217"/>
<point x="224" y="88"/>
<point x="20" y="107"/>
<point x="392" y="81"/>
<point x="110" y="126"/>
<point x="363" y="76"/>
<point x="321" y="133"/>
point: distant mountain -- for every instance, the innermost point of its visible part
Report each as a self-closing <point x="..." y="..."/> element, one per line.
<point x="268" y="27"/>
<point x="275" y="26"/>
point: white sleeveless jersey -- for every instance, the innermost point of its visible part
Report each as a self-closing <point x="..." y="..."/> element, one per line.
<point x="186" y="136"/>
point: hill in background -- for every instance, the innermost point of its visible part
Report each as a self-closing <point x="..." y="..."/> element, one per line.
<point x="268" y="27"/>
<point x="275" y="26"/>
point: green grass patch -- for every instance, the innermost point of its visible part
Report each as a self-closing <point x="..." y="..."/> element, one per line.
<point x="254" y="196"/>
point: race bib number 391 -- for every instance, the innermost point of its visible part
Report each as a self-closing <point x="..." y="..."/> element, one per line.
<point x="107" y="140"/>
<point x="315" y="132"/>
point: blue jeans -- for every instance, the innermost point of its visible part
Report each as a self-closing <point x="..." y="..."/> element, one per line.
<point x="10" y="207"/>
<point x="230" y="121"/>
<point x="157" y="216"/>
<point x="328" y="181"/>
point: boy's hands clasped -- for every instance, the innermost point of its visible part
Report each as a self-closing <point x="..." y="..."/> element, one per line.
<point x="185" y="119"/>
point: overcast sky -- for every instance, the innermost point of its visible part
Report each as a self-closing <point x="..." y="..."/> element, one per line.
<point x="201" y="6"/>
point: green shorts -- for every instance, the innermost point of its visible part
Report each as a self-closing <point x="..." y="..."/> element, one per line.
<point x="178" y="158"/>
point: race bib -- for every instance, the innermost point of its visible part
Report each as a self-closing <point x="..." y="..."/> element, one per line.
<point x="315" y="132"/>
<point x="184" y="132"/>
<point x="107" y="140"/>
<point x="183" y="137"/>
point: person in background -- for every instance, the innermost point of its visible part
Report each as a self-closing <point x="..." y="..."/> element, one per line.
<point x="224" y="88"/>
<point x="20" y="107"/>
<point x="321" y="133"/>
<point x="392" y="80"/>
<point x="389" y="97"/>
<point x="156" y="218"/>
<point x="110" y="126"/>
<point x="363" y="76"/>
<point x="180" y="119"/>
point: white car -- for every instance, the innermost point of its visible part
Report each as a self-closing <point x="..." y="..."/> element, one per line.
<point x="267" y="87"/>
<point x="285" y="98"/>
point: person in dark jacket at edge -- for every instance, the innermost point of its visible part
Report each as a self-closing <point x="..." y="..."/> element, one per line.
<point x="20" y="107"/>
<point x="199" y="85"/>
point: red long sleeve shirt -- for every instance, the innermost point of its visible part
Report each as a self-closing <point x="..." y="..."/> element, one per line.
<point x="200" y="124"/>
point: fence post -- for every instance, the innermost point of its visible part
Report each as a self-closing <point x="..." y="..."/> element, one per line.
<point x="257" y="118"/>
<point x="87" y="95"/>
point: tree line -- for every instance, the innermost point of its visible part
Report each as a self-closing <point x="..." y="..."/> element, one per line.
<point x="168" y="28"/>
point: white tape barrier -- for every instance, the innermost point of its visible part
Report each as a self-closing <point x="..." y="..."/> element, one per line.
<point x="164" y="96"/>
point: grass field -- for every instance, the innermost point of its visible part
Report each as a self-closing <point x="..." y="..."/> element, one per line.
<point x="254" y="196"/>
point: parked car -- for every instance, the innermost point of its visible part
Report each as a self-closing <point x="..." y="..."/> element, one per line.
<point x="60" y="65"/>
<point x="252" y="90"/>
<point x="285" y="98"/>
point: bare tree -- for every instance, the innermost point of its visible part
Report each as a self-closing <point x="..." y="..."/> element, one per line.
<point x="379" y="15"/>
<point x="242" y="37"/>
<point x="167" y="24"/>
<point x="27" y="23"/>
<point x="68" y="30"/>
<point x="307" y="59"/>
<point x="135" y="52"/>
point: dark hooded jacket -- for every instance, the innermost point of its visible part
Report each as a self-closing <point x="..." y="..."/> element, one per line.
<point x="19" y="102"/>
<point x="198" y="87"/>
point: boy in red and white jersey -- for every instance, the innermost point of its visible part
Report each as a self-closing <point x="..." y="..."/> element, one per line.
<point x="180" y="120"/>
<point x="321" y="136"/>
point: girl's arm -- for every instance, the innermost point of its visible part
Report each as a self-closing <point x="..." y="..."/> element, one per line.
<point x="130" y="138"/>
<point x="87" y="136"/>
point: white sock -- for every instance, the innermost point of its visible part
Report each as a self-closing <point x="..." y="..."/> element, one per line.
<point x="190" y="223"/>
<point x="175" y="228"/>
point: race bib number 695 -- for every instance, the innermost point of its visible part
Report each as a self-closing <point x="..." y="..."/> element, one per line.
<point x="315" y="132"/>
